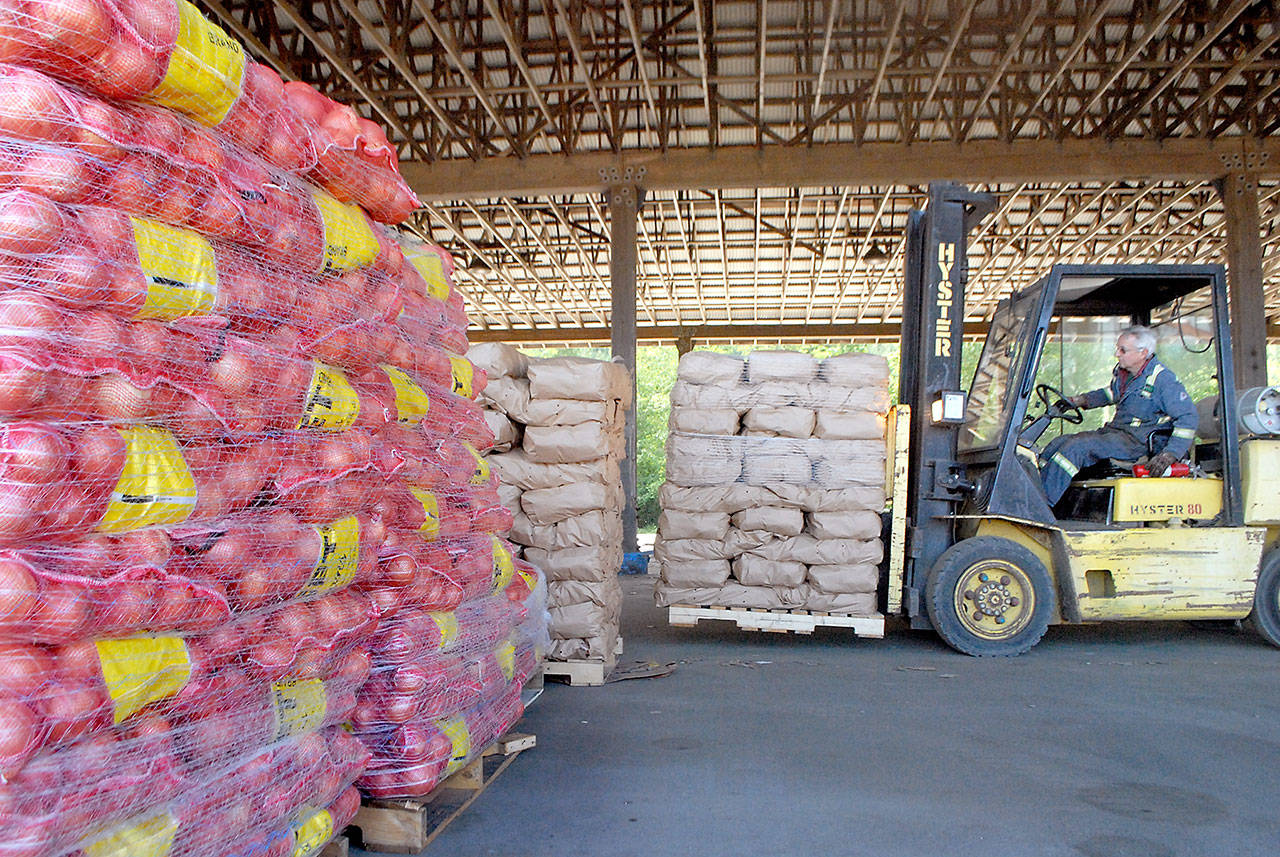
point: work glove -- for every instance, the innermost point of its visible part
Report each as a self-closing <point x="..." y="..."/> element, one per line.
<point x="1159" y="464"/>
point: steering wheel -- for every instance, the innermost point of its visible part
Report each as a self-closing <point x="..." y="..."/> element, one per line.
<point x="1057" y="405"/>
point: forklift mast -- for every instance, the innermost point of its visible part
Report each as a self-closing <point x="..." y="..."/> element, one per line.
<point x="937" y="270"/>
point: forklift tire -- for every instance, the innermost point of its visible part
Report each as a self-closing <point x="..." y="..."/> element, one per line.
<point x="989" y="597"/>
<point x="1265" y="617"/>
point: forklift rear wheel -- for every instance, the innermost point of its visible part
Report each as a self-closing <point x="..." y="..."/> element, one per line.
<point x="1266" y="600"/>
<point x="989" y="597"/>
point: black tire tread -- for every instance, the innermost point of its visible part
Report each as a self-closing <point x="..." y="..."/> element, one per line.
<point x="1265" y="617"/>
<point x="942" y="578"/>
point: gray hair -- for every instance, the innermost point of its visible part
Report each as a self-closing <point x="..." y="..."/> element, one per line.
<point x="1143" y="337"/>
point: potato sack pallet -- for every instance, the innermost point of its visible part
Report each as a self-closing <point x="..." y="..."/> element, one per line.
<point x="584" y="673"/>
<point x="559" y="425"/>
<point x="772" y="508"/>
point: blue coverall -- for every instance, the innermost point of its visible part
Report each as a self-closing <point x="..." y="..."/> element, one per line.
<point x="1152" y="399"/>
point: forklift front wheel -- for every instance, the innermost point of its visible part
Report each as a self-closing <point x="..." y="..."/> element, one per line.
<point x="989" y="597"/>
<point x="1266" y="600"/>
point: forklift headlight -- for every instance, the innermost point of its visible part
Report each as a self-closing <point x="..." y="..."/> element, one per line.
<point x="949" y="407"/>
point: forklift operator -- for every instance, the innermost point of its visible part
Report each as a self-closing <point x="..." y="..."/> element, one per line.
<point x="1147" y="396"/>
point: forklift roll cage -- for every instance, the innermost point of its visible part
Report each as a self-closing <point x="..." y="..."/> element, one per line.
<point x="957" y="476"/>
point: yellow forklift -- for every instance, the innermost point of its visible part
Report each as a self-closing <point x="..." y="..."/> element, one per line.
<point x="976" y="551"/>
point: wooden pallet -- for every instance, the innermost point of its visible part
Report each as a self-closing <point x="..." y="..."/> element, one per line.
<point x="776" y="621"/>
<point x="583" y="673"/>
<point x="340" y="847"/>
<point x="408" y="826"/>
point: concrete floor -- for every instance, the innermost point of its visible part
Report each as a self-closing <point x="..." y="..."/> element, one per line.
<point x="1142" y="740"/>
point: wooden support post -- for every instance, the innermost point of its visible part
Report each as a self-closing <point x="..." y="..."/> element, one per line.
<point x="1239" y="192"/>
<point x="684" y="341"/>
<point x="624" y="206"/>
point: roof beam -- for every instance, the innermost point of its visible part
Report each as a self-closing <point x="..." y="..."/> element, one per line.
<point x="820" y="264"/>
<point x="1222" y="20"/>
<point x="729" y="104"/>
<point x="832" y="6"/>
<point x="477" y="253"/>
<point x="1048" y="85"/>
<point x="863" y="247"/>
<point x="585" y="261"/>
<point x="1154" y="25"/>
<point x="690" y="246"/>
<point x="755" y="269"/>
<point x="454" y="52"/>
<point x="556" y="260"/>
<point x="881" y="69"/>
<point x="953" y="42"/>
<point x="713" y="136"/>
<point x="517" y="56"/>
<point x="401" y="64"/>
<point x="1229" y="77"/>
<point x="340" y="65"/>
<point x="790" y="332"/>
<point x="843" y="164"/>
<point x="579" y="58"/>
<point x="724" y="245"/>
<point x="1017" y="43"/>
<point x="762" y="36"/>
<point x="633" y="29"/>
<point x="738" y="332"/>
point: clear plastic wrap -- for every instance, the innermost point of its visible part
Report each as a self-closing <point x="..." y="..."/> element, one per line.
<point x="289" y="798"/>
<point x="782" y="510"/>
<point x="446" y="683"/>
<point x="241" y="460"/>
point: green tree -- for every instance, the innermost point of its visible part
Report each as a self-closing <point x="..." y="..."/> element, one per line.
<point x="655" y="375"/>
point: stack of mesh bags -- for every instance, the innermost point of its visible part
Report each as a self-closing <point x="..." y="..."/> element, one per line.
<point x="775" y="482"/>
<point x="463" y="620"/>
<point x="559" y="425"/>
<point x="227" y="389"/>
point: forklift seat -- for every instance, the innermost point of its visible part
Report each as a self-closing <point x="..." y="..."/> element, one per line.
<point x="1108" y="493"/>
<point x="1111" y="468"/>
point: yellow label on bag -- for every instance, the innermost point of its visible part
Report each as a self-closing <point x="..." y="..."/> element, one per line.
<point x="530" y="578"/>
<point x="483" y="471"/>
<point x="206" y="70"/>
<point x="506" y="658"/>
<point x="331" y="403"/>
<point x="152" y="837"/>
<point x="349" y="242"/>
<point x="311" y="831"/>
<point x="141" y="670"/>
<point x="431" y="267"/>
<point x="339" y="556"/>
<point x="455" y="729"/>
<point x="464" y="376"/>
<point x="155" y="487"/>
<point x="412" y="402"/>
<point x="299" y="705"/>
<point x="180" y="270"/>
<point x="430" y="528"/>
<point x="447" y="624"/>
<point x="504" y="565"/>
